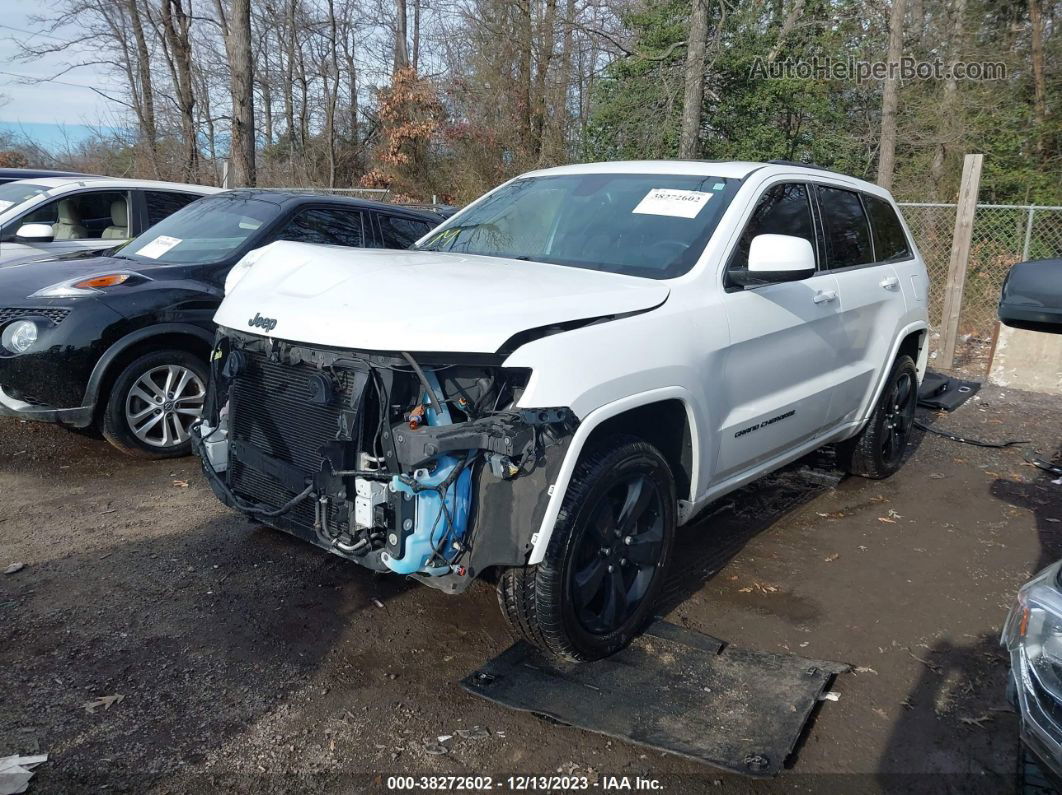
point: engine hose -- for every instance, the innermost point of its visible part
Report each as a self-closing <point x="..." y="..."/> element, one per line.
<point x="435" y="404"/>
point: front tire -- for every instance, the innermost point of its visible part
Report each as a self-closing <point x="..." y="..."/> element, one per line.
<point x="606" y="560"/>
<point x="154" y="402"/>
<point x="878" y="450"/>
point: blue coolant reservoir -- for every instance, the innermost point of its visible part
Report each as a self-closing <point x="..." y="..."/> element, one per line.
<point x="434" y="528"/>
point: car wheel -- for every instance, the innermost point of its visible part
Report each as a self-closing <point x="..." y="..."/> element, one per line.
<point x="606" y="559"/>
<point x="878" y="450"/>
<point x="154" y="402"/>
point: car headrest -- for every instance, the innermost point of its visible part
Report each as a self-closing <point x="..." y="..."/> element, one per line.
<point x="68" y="212"/>
<point x="119" y="213"/>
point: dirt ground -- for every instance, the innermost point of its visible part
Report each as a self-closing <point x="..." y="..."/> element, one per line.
<point x="249" y="661"/>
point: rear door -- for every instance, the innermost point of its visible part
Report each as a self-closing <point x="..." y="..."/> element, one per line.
<point x="872" y="305"/>
<point x="778" y="377"/>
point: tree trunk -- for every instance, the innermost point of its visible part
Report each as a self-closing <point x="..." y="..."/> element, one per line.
<point x="890" y="96"/>
<point x="539" y="95"/>
<point x="525" y="45"/>
<point x="947" y="105"/>
<point x="416" y="35"/>
<point x="176" y="24"/>
<point x="1039" y="85"/>
<point x="289" y="79"/>
<point x="401" y="37"/>
<point x="693" y="96"/>
<point x="146" y="106"/>
<point x="554" y="148"/>
<point x="238" y="48"/>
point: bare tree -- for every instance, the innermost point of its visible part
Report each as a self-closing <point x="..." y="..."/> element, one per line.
<point x="890" y="96"/>
<point x="177" y="47"/>
<point x="236" y="31"/>
<point x="146" y="106"/>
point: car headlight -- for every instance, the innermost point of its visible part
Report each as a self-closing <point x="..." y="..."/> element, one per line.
<point x="90" y="285"/>
<point x="1034" y="630"/>
<point x="19" y="336"/>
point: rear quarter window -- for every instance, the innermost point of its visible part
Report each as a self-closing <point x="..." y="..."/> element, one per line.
<point x="890" y="242"/>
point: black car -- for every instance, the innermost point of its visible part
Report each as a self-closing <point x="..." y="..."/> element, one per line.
<point x="119" y="343"/>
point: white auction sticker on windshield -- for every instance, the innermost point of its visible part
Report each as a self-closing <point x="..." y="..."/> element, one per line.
<point x="676" y="203"/>
<point x="159" y="246"/>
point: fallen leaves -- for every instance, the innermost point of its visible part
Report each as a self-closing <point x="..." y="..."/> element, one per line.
<point x="759" y="586"/>
<point x="979" y="721"/>
<point x="102" y="701"/>
<point x="181" y="484"/>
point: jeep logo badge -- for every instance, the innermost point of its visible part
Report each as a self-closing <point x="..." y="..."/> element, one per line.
<point x="267" y="323"/>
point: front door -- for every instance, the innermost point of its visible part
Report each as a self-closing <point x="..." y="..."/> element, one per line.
<point x="779" y="374"/>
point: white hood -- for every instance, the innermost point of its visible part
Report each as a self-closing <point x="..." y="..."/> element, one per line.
<point x="386" y="300"/>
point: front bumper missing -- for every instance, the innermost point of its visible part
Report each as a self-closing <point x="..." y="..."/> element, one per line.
<point x="78" y="417"/>
<point x="275" y="433"/>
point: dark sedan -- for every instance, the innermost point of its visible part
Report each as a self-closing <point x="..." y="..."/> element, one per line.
<point x="120" y="343"/>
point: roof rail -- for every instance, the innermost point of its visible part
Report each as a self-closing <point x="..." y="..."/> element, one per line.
<point x="802" y="165"/>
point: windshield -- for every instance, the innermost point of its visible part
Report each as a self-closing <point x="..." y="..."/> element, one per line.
<point x="12" y="193"/>
<point x="206" y="231"/>
<point x="638" y="224"/>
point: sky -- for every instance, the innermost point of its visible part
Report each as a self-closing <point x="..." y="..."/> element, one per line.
<point x="51" y="114"/>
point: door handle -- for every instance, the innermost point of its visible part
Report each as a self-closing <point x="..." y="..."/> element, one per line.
<point x="824" y="296"/>
<point x="889" y="282"/>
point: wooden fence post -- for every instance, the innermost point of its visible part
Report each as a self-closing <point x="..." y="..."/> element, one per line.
<point x="960" y="255"/>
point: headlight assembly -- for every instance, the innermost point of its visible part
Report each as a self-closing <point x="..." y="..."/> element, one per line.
<point x="1034" y="631"/>
<point x="89" y="285"/>
<point x="18" y="337"/>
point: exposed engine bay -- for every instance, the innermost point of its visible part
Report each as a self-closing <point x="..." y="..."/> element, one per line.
<point x="417" y="466"/>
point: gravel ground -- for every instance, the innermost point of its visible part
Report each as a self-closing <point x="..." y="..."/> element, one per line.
<point x="246" y="660"/>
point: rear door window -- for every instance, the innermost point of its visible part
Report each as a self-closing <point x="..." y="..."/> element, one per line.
<point x="401" y="232"/>
<point x="848" y="240"/>
<point x="162" y="204"/>
<point x="784" y="209"/>
<point x="325" y="226"/>
<point x="890" y="242"/>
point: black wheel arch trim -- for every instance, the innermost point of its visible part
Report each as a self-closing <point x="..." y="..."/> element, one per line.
<point x="99" y="371"/>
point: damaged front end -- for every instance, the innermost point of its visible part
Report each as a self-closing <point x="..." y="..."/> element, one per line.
<point x="421" y="467"/>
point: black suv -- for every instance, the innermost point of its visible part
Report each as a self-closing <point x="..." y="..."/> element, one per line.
<point x="119" y="343"/>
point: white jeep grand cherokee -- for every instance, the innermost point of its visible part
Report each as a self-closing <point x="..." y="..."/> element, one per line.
<point x="553" y="380"/>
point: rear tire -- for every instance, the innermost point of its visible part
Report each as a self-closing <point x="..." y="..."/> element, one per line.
<point x="153" y="402"/>
<point x="606" y="560"/>
<point x="878" y="450"/>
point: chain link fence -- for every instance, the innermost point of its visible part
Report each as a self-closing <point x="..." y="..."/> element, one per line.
<point x="1003" y="234"/>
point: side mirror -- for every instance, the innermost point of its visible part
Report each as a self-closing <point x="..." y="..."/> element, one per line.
<point x="35" y="233"/>
<point x="781" y="258"/>
<point x="1032" y="296"/>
